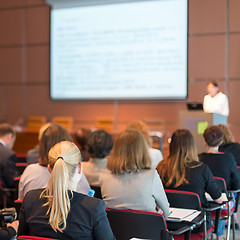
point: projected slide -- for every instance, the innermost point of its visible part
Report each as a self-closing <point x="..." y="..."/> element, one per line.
<point x="130" y="50"/>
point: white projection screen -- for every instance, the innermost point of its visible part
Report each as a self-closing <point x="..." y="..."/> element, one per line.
<point x="118" y="50"/>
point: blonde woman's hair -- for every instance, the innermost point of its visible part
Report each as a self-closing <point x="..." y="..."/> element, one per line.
<point x="130" y="153"/>
<point x="142" y="128"/>
<point x="182" y="153"/>
<point x="227" y="134"/>
<point x="64" y="158"/>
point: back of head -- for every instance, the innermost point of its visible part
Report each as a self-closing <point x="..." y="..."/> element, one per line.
<point x="182" y="152"/>
<point x="64" y="158"/>
<point x="53" y="134"/>
<point x="99" y="144"/>
<point x="142" y="128"/>
<point x="214" y="83"/>
<point x="227" y="134"/>
<point x="129" y="153"/>
<point x="81" y="136"/>
<point x="42" y="129"/>
<point x="7" y="134"/>
<point x="213" y="136"/>
<point x="5" y="129"/>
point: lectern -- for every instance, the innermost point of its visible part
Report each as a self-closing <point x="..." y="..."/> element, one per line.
<point x="197" y="122"/>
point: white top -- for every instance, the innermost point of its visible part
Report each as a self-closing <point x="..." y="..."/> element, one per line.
<point x="36" y="176"/>
<point x="138" y="191"/>
<point x="156" y="156"/>
<point x="92" y="169"/>
<point x="216" y="104"/>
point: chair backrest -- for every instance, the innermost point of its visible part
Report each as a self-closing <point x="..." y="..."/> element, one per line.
<point x="66" y="122"/>
<point x="221" y="183"/>
<point x="21" y="167"/>
<point x="127" y="224"/>
<point x="34" y="123"/>
<point x="34" y="238"/>
<point x="183" y="199"/>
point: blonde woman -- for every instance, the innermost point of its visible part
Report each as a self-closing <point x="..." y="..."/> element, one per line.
<point x="155" y="154"/>
<point x="229" y="144"/>
<point x="58" y="211"/>
<point x="132" y="184"/>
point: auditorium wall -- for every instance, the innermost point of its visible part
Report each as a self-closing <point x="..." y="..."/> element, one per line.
<point x="24" y="67"/>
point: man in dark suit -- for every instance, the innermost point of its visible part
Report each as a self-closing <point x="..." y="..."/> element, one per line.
<point x="8" y="158"/>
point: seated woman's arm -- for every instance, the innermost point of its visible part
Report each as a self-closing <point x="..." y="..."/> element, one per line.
<point x="102" y="229"/>
<point x="212" y="187"/>
<point x="160" y="195"/>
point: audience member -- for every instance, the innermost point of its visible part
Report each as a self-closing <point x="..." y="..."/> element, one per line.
<point x="8" y="159"/>
<point x="215" y="101"/>
<point x="228" y="144"/>
<point x="182" y="170"/>
<point x="59" y="211"/>
<point x="132" y="184"/>
<point x="221" y="164"/>
<point x="81" y="136"/>
<point x="36" y="175"/>
<point x="33" y="154"/>
<point x="142" y="127"/>
<point x="99" y="145"/>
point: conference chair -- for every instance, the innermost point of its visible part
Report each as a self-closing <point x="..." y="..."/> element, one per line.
<point x="228" y="209"/>
<point x="25" y="237"/>
<point x="34" y="123"/>
<point x="66" y="122"/>
<point x="21" y="167"/>
<point x="18" y="205"/>
<point x="127" y="224"/>
<point x="190" y="200"/>
<point x="21" y="158"/>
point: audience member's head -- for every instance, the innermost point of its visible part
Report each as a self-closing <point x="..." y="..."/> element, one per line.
<point x="227" y="134"/>
<point x="81" y="136"/>
<point x="130" y="153"/>
<point x="182" y="152"/>
<point x="64" y="159"/>
<point x="99" y="144"/>
<point x="7" y="134"/>
<point x="142" y="128"/>
<point x="213" y="136"/>
<point x="212" y="88"/>
<point x="42" y="129"/>
<point x="53" y="134"/>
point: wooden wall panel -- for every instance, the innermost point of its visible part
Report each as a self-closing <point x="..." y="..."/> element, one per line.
<point x="234" y="16"/>
<point x="15" y="103"/>
<point x="10" y="3"/>
<point x="38" y="64"/>
<point x="206" y="16"/>
<point x="11" y="65"/>
<point x="34" y="2"/>
<point x="234" y="55"/>
<point x="207" y="56"/>
<point x="11" y="26"/>
<point x="38" y="24"/>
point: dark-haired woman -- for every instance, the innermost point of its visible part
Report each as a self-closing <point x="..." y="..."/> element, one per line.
<point x="221" y="164"/>
<point x="99" y="145"/>
<point x="182" y="170"/>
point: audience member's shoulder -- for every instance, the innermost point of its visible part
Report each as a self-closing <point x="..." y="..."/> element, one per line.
<point x="228" y="156"/>
<point x="7" y="151"/>
<point x="88" y="202"/>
